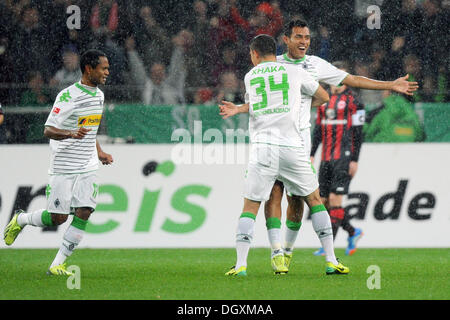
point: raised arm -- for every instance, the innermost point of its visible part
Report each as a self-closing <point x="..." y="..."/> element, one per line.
<point x="400" y="85"/>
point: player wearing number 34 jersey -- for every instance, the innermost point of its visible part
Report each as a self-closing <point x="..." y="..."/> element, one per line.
<point x="273" y="93"/>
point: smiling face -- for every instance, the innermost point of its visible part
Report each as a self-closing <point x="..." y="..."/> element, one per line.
<point x="100" y="73"/>
<point x="298" y="42"/>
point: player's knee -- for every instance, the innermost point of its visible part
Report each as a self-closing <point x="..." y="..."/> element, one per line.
<point x="313" y="199"/>
<point x="59" y="219"/>
<point x="83" y="213"/>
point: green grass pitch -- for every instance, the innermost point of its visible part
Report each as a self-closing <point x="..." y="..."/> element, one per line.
<point x="198" y="274"/>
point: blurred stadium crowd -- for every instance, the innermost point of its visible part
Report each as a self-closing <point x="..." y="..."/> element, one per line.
<point x="168" y="52"/>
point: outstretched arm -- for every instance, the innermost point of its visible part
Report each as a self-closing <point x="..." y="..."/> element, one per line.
<point x="229" y="109"/>
<point x="400" y="85"/>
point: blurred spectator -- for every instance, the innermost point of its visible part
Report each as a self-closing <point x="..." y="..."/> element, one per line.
<point x="158" y="87"/>
<point x="394" y="61"/>
<point x="104" y="22"/>
<point x="377" y="65"/>
<point x="266" y="20"/>
<point x="70" y="72"/>
<point x="413" y="66"/>
<point x="26" y="45"/>
<point x="6" y="70"/>
<point x="227" y="62"/>
<point x="395" y="122"/>
<point x="192" y="74"/>
<point x="36" y="94"/>
<point x="204" y="96"/>
<point x="370" y="98"/>
<point x="229" y="88"/>
<point x="428" y="91"/>
<point x="434" y="28"/>
<point x="200" y="49"/>
<point x="2" y="130"/>
<point x="105" y="18"/>
<point x="152" y="41"/>
<point x="324" y="43"/>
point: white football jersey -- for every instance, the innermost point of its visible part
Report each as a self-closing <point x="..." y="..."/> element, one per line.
<point x="274" y="91"/>
<point x="76" y="106"/>
<point x="321" y="71"/>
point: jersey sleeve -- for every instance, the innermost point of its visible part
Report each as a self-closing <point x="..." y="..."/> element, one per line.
<point x="309" y="85"/>
<point x="62" y="109"/>
<point x="328" y="73"/>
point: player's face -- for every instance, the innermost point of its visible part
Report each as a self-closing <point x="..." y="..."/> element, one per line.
<point x="101" y="72"/>
<point x="298" y="43"/>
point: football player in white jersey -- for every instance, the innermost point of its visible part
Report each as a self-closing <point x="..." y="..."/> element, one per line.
<point x="75" y="152"/>
<point x="297" y="39"/>
<point x="273" y="92"/>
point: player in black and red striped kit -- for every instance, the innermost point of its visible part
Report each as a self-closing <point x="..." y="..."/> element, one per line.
<point x="338" y="127"/>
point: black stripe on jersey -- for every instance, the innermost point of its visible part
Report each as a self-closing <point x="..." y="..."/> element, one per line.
<point x="72" y="160"/>
<point x="73" y="149"/>
<point x="64" y="154"/>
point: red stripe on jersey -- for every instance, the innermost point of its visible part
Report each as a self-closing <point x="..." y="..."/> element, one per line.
<point x="329" y="130"/>
<point x="352" y="110"/>
<point x="341" y="107"/>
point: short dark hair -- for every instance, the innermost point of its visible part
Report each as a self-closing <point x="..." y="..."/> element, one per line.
<point x="292" y="24"/>
<point x="264" y="44"/>
<point x="91" y="58"/>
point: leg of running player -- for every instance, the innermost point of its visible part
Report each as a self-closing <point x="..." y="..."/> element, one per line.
<point x="322" y="225"/>
<point x="244" y="236"/>
<point x="73" y="235"/>
<point x="294" y="215"/>
<point x="272" y="211"/>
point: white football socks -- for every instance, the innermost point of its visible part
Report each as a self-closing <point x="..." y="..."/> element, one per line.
<point x="322" y="226"/>
<point x="244" y="236"/>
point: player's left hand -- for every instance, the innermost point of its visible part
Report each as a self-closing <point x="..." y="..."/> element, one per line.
<point x="105" y="158"/>
<point x="402" y="85"/>
<point x="228" y="109"/>
<point x="352" y="168"/>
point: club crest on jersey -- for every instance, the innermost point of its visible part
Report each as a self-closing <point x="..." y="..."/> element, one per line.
<point x="341" y="104"/>
<point x="88" y="121"/>
<point x="330" y="113"/>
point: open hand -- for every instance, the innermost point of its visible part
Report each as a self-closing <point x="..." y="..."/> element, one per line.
<point x="402" y="85"/>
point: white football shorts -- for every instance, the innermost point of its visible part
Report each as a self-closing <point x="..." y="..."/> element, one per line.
<point x="290" y="165"/>
<point x="71" y="190"/>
